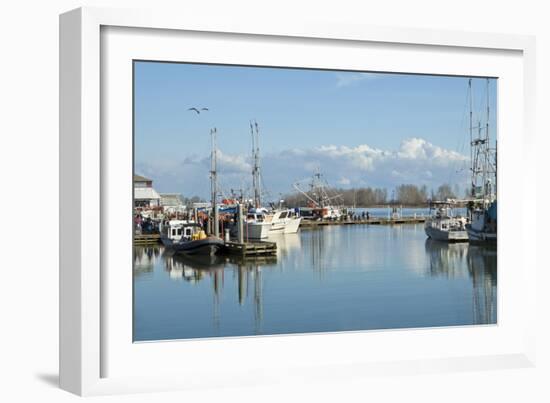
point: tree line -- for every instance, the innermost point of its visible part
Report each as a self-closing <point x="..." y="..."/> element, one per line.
<point x="406" y="194"/>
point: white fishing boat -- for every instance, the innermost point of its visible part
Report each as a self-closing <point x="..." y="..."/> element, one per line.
<point x="255" y="226"/>
<point x="443" y="225"/>
<point x="283" y="221"/>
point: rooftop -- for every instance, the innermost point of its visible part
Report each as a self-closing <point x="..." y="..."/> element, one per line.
<point x="146" y="194"/>
<point x="139" y="178"/>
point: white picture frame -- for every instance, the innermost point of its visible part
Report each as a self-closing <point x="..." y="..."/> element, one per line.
<point x="95" y="359"/>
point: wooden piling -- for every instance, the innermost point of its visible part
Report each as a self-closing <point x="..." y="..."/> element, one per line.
<point x="240" y="232"/>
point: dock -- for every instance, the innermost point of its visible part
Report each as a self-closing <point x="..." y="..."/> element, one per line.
<point x="146" y="239"/>
<point x="370" y="221"/>
<point x="248" y="249"/>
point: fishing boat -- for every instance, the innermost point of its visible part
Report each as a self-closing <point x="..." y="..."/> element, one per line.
<point x="321" y="198"/>
<point x="483" y="228"/>
<point x="260" y="223"/>
<point x="284" y="221"/>
<point x="483" y="204"/>
<point x="188" y="237"/>
<point x="443" y="225"/>
<point x="255" y="226"/>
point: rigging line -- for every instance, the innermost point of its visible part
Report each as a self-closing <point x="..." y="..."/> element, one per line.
<point x="460" y="139"/>
<point x="456" y="169"/>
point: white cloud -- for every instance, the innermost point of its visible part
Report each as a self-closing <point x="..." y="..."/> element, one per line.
<point x="344" y="181"/>
<point x="419" y="149"/>
<point x="347" y="79"/>
<point x="232" y="164"/>
<point x="416" y="161"/>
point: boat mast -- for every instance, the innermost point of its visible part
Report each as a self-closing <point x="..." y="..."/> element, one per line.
<point x="256" y="167"/>
<point x="318" y="188"/>
<point x="471" y="135"/>
<point x="484" y="162"/>
<point x="214" y="228"/>
<point x="491" y="169"/>
<point x="476" y="153"/>
<point x="483" y="170"/>
<point x="317" y="191"/>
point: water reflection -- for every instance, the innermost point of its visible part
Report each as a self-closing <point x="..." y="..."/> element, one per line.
<point x="247" y="272"/>
<point x="482" y="265"/>
<point x="191" y="268"/>
<point x="447" y="259"/>
<point x="328" y="279"/>
<point x="145" y="258"/>
<point x="477" y="262"/>
<point x="286" y="243"/>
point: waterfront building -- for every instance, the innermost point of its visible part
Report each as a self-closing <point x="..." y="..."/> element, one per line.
<point x="144" y="194"/>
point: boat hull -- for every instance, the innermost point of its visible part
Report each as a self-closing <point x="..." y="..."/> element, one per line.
<point x="291" y="227"/>
<point x="256" y="230"/>
<point x="205" y="247"/>
<point x="446" y="236"/>
<point x="285" y="226"/>
<point x="166" y="241"/>
<point x="481" y="237"/>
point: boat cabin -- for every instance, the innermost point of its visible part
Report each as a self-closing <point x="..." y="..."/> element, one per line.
<point x="255" y="217"/>
<point x="177" y="230"/>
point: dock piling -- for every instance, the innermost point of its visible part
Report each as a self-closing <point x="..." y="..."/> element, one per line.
<point x="240" y="231"/>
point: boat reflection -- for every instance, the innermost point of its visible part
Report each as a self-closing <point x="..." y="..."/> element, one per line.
<point x="482" y="265"/>
<point x="245" y="275"/>
<point x="190" y="268"/>
<point x="286" y="243"/>
<point x="447" y="259"/>
<point x="476" y="262"/>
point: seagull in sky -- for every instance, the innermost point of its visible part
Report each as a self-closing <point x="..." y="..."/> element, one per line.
<point x="198" y="111"/>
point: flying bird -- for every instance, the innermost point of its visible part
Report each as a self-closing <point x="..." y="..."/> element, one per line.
<point x="196" y="110"/>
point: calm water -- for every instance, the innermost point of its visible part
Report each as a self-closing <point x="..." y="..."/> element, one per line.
<point x="329" y="279"/>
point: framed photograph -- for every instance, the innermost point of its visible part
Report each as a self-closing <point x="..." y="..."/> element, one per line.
<point x="246" y="201"/>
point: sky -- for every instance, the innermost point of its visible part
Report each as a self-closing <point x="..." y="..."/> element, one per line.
<point x="358" y="129"/>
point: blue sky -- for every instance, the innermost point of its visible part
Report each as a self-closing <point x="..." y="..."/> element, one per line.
<point x="360" y="129"/>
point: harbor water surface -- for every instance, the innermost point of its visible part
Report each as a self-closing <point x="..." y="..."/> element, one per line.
<point x="334" y="278"/>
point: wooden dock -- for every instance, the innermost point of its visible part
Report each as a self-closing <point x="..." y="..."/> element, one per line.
<point x="370" y="221"/>
<point x="146" y="239"/>
<point x="248" y="249"/>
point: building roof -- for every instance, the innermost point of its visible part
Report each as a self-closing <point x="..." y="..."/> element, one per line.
<point x="145" y="194"/>
<point x="139" y="178"/>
